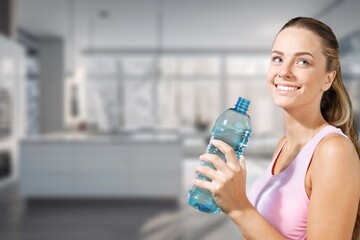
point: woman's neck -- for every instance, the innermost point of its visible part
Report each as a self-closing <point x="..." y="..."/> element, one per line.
<point x="301" y="126"/>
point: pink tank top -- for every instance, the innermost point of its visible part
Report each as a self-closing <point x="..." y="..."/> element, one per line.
<point x="282" y="198"/>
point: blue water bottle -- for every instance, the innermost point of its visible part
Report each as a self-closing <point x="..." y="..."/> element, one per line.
<point x="233" y="127"/>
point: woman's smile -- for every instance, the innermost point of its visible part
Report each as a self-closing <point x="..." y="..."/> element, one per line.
<point x="286" y="88"/>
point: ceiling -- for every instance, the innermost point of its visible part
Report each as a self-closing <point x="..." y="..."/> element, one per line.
<point x="255" y="19"/>
<point x="114" y="24"/>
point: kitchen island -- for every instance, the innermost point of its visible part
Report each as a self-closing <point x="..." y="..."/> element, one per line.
<point x="138" y="165"/>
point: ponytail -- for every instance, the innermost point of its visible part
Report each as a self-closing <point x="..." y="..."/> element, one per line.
<point x="336" y="108"/>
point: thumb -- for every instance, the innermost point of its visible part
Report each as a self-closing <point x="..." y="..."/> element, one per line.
<point x="242" y="162"/>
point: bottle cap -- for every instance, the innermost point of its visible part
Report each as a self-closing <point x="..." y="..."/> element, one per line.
<point x="242" y="105"/>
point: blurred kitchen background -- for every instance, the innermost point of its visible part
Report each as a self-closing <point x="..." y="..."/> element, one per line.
<point x="106" y="105"/>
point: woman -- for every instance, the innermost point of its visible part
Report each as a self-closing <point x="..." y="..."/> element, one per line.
<point x="311" y="189"/>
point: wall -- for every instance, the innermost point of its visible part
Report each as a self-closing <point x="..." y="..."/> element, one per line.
<point x="197" y="23"/>
<point x="51" y="84"/>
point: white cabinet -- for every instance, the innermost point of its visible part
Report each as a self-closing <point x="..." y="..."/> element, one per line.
<point x="46" y="169"/>
<point x="155" y="170"/>
<point x="100" y="169"/>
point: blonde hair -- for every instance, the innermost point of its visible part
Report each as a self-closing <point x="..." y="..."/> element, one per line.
<point x="335" y="105"/>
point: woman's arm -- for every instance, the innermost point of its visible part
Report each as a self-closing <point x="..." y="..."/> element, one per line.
<point x="228" y="187"/>
<point x="253" y="226"/>
<point x="335" y="189"/>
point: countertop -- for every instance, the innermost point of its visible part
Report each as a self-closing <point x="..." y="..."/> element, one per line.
<point x="78" y="137"/>
<point x="261" y="146"/>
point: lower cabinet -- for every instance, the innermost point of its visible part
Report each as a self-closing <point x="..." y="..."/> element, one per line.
<point x="96" y="169"/>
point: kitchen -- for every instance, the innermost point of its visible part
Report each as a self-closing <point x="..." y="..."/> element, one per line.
<point x="106" y="105"/>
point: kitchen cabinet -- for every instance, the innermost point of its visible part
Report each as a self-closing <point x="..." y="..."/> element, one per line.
<point x="100" y="168"/>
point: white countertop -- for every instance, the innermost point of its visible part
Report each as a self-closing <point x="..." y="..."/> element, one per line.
<point x="257" y="146"/>
<point x="72" y="137"/>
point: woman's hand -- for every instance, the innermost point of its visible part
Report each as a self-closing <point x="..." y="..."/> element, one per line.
<point x="228" y="185"/>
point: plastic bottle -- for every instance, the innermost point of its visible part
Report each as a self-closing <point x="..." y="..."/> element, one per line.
<point x="233" y="127"/>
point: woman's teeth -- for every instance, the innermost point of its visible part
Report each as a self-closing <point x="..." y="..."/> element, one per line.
<point x="286" y="88"/>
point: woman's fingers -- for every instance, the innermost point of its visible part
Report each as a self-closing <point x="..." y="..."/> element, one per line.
<point x="202" y="184"/>
<point x="242" y="162"/>
<point x="229" y="153"/>
<point x="207" y="171"/>
<point x="214" y="160"/>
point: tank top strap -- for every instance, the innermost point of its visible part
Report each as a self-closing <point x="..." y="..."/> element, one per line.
<point x="323" y="133"/>
<point x="274" y="159"/>
<point x="308" y="150"/>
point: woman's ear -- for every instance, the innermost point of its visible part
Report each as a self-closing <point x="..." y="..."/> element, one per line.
<point x="330" y="77"/>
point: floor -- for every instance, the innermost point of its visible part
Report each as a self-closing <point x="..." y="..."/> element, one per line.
<point x="128" y="219"/>
<point x="76" y="219"/>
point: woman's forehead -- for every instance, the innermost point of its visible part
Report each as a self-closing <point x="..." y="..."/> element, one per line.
<point x="295" y="39"/>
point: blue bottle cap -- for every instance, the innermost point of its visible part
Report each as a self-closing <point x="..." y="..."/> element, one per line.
<point x="242" y="105"/>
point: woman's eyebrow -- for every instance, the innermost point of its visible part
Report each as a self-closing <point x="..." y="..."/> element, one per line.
<point x="296" y="54"/>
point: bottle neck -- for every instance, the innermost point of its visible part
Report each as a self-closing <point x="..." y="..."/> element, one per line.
<point x="242" y="105"/>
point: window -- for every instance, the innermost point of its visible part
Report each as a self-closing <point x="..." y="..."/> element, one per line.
<point x="180" y="91"/>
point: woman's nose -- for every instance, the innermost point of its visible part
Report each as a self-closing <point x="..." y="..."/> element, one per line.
<point x="285" y="72"/>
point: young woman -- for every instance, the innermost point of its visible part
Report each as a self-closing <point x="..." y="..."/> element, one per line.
<point x="311" y="189"/>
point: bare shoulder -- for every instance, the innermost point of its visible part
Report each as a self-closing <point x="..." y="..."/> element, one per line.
<point x="336" y="154"/>
<point x="337" y="147"/>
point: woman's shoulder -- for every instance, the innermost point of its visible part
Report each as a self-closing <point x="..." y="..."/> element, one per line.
<point x="337" y="155"/>
<point x="335" y="145"/>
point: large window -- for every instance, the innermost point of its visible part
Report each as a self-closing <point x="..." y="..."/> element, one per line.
<point x="174" y="91"/>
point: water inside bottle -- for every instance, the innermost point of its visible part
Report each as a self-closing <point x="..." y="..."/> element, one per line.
<point x="201" y="199"/>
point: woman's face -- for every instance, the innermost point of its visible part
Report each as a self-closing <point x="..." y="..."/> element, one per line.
<point x="297" y="74"/>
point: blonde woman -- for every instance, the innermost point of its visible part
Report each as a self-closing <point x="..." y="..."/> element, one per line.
<point x="311" y="189"/>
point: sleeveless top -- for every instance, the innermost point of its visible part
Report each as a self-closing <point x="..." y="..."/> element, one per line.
<point x="282" y="199"/>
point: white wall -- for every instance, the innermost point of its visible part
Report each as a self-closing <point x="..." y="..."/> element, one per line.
<point x="51" y="84"/>
<point x="344" y="19"/>
<point x="195" y="23"/>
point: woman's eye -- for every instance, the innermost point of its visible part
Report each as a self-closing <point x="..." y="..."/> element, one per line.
<point x="303" y="62"/>
<point x="277" y="59"/>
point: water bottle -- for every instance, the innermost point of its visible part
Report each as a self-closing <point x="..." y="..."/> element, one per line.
<point x="233" y="127"/>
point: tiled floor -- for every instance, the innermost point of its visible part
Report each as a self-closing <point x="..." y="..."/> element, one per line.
<point x="112" y="219"/>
